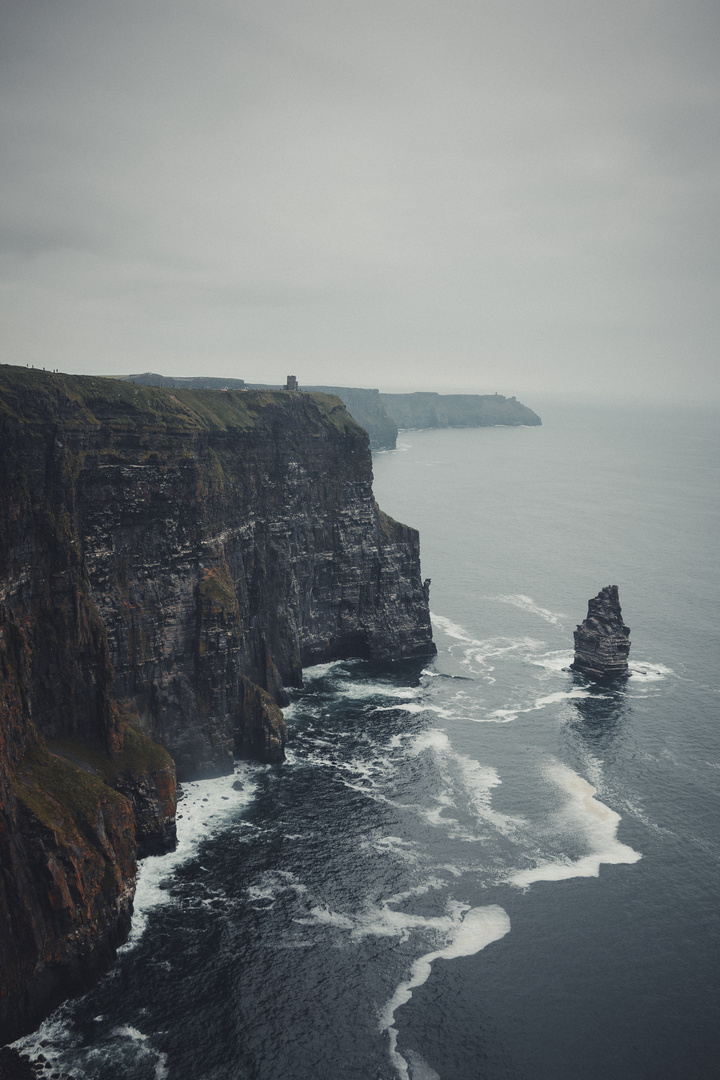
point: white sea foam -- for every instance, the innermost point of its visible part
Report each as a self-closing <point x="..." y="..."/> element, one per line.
<point x="319" y="671"/>
<point x="632" y="807"/>
<point x="588" y="819"/>
<point x="414" y="707"/>
<point x="479" y="927"/>
<point x="450" y="628"/>
<point x="640" y="670"/>
<point x="383" y="919"/>
<point x="526" y="603"/>
<point x="594" y="770"/>
<point x="479" y="656"/>
<point x="54" y="1039"/>
<point x="323" y="916"/>
<point x="272" y="883"/>
<point x="456" y="871"/>
<point x="484" y="654"/>
<point x="645" y="672"/>
<point x="513" y="711"/>
<point x="395" y="845"/>
<point x="432" y="739"/>
<point x="556" y="661"/>
<point x="357" y="691"/>
<point x="369" y="772"/>
<point x="420" y="1068"/>
<point x="466" y="782"/>
<point x="137" y="1037"/>
<point x="205" y="806"/>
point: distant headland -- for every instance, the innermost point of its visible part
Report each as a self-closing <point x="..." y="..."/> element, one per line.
<point x="382" y="415"/>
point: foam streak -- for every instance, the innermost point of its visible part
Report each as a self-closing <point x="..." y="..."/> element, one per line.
<point x="593" y="820"/>
<point x="480" y="927"/>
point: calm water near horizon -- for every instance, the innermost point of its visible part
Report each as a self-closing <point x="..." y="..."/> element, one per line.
<point x="480" y="868"/>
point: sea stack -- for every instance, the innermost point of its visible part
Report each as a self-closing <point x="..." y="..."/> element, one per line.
<point x="602" y="641"/>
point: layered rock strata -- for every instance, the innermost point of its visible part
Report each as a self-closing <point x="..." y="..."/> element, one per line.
<point x="602" y="641"/>
<point x="169" y="560"/>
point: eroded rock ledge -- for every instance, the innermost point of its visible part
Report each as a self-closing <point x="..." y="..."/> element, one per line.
<point x="169" y="561"/>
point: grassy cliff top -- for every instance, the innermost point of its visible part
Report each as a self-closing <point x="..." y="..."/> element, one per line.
<point x="31" y="396"/>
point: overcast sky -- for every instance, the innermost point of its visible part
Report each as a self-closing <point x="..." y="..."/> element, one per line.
<point x="496" y="195"/>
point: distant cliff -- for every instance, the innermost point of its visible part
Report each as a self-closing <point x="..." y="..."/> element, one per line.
<point x="423" y="410"/>
<point x="169" y="561"/>
<point x="368" y="408"/>
<point x="382" y="414"/>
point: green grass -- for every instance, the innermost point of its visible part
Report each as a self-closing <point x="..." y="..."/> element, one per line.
<point x="139" y="754"/>
<point x="31" y="395"/>
<point x="56" y="790"/>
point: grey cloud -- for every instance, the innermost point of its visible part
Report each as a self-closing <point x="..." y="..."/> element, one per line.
<point x="500" y="195"/>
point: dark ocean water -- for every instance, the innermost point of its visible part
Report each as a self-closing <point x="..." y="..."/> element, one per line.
<point x="481" y="868"/>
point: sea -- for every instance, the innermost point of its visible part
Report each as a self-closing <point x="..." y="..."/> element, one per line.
<point x="482" y="866"/>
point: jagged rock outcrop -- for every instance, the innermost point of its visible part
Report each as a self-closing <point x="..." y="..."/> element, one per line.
<point x="169" y="560"/>
<point x="602" y="641"/>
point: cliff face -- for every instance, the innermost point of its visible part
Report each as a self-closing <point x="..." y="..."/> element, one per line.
<point x="602" y="641"/>
<point x="169" y="560"/>
<point x="237" y="536"/>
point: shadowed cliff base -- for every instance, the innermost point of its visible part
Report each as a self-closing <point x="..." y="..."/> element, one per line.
<point x="169" y="559"/>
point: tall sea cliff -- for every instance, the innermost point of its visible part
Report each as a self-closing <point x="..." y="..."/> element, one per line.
<point x="169" y="561"/>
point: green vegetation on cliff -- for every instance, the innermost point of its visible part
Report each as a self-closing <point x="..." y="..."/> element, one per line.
<point x="57" y="790"/>
<point x="382" y="414"/>
<point x="33" y="396"/>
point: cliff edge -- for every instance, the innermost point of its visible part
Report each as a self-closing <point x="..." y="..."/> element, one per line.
<point x="169" y="561"/>
<point x="431" y="410"/>
<point x="382" y="414"/>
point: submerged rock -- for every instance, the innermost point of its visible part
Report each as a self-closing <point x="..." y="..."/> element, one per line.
<point x="602" y="641"/>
